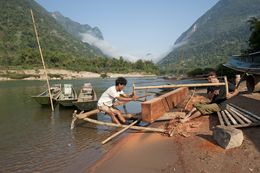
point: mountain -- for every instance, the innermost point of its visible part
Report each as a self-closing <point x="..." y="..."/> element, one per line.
<point x="75" y="28"/>
<point x="222" y="31"/>
<point x="18" y="46"/>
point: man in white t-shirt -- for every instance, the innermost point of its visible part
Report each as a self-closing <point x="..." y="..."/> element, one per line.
<point x="114" y="96"/>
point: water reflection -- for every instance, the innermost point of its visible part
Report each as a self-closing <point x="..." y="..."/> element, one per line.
<point x="33" y="138"/>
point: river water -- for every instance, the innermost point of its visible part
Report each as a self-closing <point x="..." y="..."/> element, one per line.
<point x="35" y="140"/>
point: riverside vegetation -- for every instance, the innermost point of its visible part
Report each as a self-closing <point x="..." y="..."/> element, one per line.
<point x="19" y="50"/>
<point x="61" y="49"/>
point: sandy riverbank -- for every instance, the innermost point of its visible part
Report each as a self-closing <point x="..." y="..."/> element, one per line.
<point x="63" y="74"/>
<point x="195" y="153"/>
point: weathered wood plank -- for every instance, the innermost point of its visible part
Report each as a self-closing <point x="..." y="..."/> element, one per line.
<point x="179" y="85"/>
<point x="119" y="132"/>
<point x="87" y="114"/>
<point x="230" y="117"/>
<point x="246" y="115"/>
<point x="225" y="118"/>
<point x="245" y="111"/>
<point x="236" y="117"/>
<point x="151" y="129"/>
<point x="241" y="116"/>
<point x="151" y="110"/>
<point x="156" y="107"/>
<point x="220" y="119"/>
<point x="246" y="125"/>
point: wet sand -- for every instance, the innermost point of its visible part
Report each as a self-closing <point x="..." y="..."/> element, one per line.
<point x="195" y="152"/>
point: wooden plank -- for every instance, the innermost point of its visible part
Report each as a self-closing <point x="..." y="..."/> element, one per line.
<point x="243" y="110"/>
<point x="165" y="104"/>
<point x="87" y="114"/>
<point x="151" y="129"/>
<point x="246" y="125"/>
<point x="170" y="115"/>
<point x="180" y="85"/>
<point x="240" y="115"/>
<point x="169" y="102"/>
<point x="225" y="118"/>
<point x="220" y="119"/>
<point x="156" y="107"/>
<point x="230" y="117"/>
<point x="246" y="115"/>
<point x="119" y="132"/>
<point x="236" y="117"/>
<point x="151" y="110"/>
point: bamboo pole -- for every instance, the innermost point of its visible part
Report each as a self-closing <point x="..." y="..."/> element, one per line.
<point x="119" y="132"/>
<point x="226" y="85"/>
<point x="180" y="85"/>
<point x="120" y="125"/>
<point x="189" y="100"/>
<point x="43" y="63"/>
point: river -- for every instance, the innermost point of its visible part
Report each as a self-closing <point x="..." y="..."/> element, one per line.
<point x="35" y="140"/>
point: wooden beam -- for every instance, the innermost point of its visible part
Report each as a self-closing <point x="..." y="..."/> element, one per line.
<point x="243" y="110"/>
<point x="156" y="107"/>
<point x="241" y="115"/>
<point x="225" y="118"/>
<point x="236" y="117"/>
<point x="230" y="117"/>
<point x="179" y="85"/>
<point x="87" y="114"/>
<point x="149" y="129"/>
<point x="245" y="115"/>
<point x="246" y="125"/>
<point x="220" y="119"/>
<point x="119" y="132"/>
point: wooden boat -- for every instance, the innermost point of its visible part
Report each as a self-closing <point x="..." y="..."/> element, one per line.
<point x="44" y="97"/>
<point x="87" y="99"/>
<point x="248" y="63"/>
<point x="67" y="96"/>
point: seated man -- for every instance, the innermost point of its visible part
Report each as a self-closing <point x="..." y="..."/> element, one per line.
<point x="217" y="95"/>
<point x="107" y="101"/>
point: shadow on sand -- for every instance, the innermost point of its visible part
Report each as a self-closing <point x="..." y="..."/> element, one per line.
<point x="250" y="133"/>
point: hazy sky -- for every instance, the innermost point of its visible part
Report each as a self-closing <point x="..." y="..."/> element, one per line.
<point x="134" y="28"/>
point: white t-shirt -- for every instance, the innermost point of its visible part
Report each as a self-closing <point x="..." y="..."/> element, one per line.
<point x="108" y="97"/>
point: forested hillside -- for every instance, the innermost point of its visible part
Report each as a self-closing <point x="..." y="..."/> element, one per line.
<point x="220" y="32"/>
<point x="19" y="49"/>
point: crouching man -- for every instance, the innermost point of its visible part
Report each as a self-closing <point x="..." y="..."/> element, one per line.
<point x="218" y="97"/>
<point x="115" y="96"/>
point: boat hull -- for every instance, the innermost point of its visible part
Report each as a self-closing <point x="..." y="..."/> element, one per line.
<point x="86" y="106"/>
<point x="44" y="98"/>
<point x="66" y="98"/>
<point x="87" y="99"/>
<point x="67" y="103"/>
<point x="248" y="63"/>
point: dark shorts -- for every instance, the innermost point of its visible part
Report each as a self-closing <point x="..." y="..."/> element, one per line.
<point x="206" y="108"/>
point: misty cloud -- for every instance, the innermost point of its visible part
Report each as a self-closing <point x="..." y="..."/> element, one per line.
<point x="109" y="50"/>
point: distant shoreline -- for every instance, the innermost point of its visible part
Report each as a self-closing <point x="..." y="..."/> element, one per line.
<point x="60" y="74"/>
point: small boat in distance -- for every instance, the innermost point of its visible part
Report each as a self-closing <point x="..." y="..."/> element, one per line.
<point x="87" y="99"/>
<point x="44" y="97"/>
<point x="67" y="96"/>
